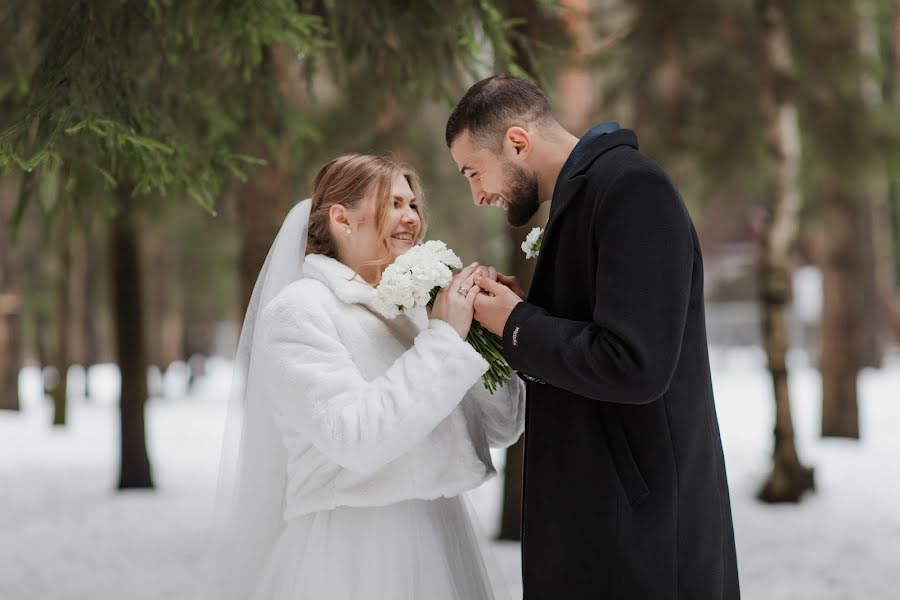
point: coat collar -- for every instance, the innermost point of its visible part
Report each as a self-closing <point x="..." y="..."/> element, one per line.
<point x="350" y="288"/>
<point x="568" y="189"/>
<point x="597" y="148"/>
<point x="339" y="278"/>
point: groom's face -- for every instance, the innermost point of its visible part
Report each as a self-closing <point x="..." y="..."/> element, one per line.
<point x="497" y="180"/>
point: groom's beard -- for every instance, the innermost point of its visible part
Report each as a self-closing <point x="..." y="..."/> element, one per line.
<point x="522" y="196"/>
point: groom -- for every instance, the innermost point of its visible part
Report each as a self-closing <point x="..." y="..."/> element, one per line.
<point x="625" y="491"/>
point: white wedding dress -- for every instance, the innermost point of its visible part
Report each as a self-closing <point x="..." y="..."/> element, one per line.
<point x="411" y="550"/>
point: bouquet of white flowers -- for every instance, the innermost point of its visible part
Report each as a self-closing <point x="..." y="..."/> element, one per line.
<point x="415" y="278"/>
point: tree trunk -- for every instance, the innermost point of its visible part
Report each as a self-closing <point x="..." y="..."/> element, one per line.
<point x="842" y="313"/>
<point x="263" y="203"/>
<point x="789" y="479"/>
<point x="858" y="279"/>
<point x="885" y="234"/>
<point x="513" y="477"/>
<point x="872" y="334"/>
<point x="173" y="325"/>
<point x="897" y="53"/>
<point x="879" y="272"/>
<point x="91" y="346"/>
<point x="63" y="322"/>
<point x="893" y="209"/>
<point x="10" y="304"/>
<point x="576" y="85"/>
<point x="894" y="193"/>
<point x="268" y="194"/>
<point x="128" y="311"/>
<point x="153" y="277"/>
<point x="40" y="338"/>
<point x="10" y="349"/>
<point x="884" y="239"/>
<point x="78" y="309"/>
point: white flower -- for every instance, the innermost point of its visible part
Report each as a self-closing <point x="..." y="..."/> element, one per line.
<point x="532" y="244"/>
<point x="410" y="280"/>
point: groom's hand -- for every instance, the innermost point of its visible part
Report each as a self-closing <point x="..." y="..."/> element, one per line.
<point x="512" y="282"/>
<point x="494" y="304"/>
<point x="489" y="272"/>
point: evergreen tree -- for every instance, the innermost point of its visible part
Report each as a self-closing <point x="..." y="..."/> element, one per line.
<point x="123" y="100"/>
<point x="133" y="99"/>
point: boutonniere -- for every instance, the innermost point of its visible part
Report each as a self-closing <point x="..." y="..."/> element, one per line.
<point x="532" y="244"/>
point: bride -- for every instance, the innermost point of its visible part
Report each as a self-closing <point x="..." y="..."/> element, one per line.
<point x="351" y="437"/>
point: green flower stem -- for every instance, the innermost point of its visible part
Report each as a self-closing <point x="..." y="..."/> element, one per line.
<point x="490" y="347"/>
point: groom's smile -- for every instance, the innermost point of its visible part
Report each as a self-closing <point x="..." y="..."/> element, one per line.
<point x="497" y="200"/>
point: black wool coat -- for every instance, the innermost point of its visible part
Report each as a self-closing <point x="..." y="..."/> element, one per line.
<point x="625" y="493"/>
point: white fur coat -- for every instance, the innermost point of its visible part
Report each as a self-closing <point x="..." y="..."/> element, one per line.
<point x="375" y="411"/>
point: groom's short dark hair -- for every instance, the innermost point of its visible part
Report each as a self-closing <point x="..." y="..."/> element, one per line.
<point x="495" y="104"/>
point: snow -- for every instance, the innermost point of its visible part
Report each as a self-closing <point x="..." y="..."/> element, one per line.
<point x="67" y="535"/>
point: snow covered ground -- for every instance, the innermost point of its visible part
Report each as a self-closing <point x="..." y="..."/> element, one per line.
<point x="64" y="534"/>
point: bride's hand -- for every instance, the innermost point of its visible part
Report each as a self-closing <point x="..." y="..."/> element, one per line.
<point x="454" y="303"/>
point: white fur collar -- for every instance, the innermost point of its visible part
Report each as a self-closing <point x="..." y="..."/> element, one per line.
<point x="339" y="278"/>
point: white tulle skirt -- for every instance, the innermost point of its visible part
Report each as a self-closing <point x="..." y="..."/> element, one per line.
<point x="412" y="550"/>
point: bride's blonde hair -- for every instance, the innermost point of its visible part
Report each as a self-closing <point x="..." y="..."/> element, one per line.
<point x="348" y="180"/>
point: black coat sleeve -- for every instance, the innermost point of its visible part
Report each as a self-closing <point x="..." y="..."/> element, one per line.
<point x="628" y="352"/>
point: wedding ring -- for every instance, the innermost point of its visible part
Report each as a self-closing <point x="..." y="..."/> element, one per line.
<point x="462" y="291"/>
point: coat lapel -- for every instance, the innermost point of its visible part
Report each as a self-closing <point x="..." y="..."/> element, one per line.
<point x="568" y="191"/>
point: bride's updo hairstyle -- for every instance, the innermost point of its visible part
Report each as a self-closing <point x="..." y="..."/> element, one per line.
<point x="348" y="180"/>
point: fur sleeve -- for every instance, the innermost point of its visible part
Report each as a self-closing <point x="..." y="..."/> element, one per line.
<point x="318" y="392"/>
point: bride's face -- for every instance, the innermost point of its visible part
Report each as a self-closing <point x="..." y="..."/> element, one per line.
<point x="403" y="224"/>
<point x="403" y="220"/>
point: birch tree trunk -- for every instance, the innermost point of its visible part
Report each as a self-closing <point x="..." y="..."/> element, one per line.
<point x="789" y="479"/>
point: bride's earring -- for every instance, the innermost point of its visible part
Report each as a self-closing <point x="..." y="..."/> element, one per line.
<point x="348" y="231"/>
